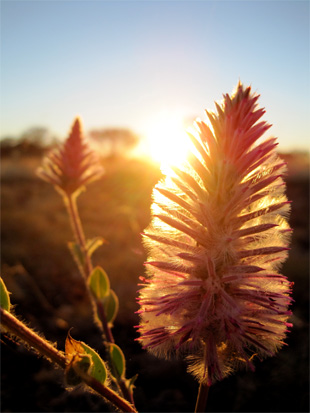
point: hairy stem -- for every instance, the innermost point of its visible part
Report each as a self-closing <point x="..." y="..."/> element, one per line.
<point x="105" y="391"/>
<point x="99" y="313"/>
<point x="20" y="330"/>
<point x="202" y="397"/>
<point x="103" y="319"/>
<point x="43" y="347"/>
<point x="70" y="202"/>
<point x="110" y="339"/>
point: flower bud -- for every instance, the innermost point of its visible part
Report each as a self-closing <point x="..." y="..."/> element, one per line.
<point x="72" y="165"/>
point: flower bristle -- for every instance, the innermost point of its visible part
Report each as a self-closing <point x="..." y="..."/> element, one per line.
<point x="73" y="164"/>
<point x="218" y="236"/>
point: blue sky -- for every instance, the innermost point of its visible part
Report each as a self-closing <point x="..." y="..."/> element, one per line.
<point x="120" y="63"/>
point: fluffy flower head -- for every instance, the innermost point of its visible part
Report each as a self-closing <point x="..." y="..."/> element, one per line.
<point x="219" y="233"/>
<point x="72" y="165"/>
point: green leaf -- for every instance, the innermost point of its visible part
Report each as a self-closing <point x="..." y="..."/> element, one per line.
<point x="110" y="304"/>
<point x="118" y="360"/>
<point x="93" y="244"/>
<point x="4" y="296"/>
<point x="98" y="369"/>
<point x="78" y="255"/>
<point x="99" y="283"/>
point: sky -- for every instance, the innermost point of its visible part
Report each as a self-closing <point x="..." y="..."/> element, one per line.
<point x="131" y="63"/>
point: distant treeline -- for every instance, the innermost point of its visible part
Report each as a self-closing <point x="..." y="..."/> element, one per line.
<point x="110" y="142"/>
<point x="36" y="141"/>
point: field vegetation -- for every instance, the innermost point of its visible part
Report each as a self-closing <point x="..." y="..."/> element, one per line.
<point x="48" y="293"/>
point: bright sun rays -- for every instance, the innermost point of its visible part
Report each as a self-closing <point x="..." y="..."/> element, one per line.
<point x="168" y="141"/>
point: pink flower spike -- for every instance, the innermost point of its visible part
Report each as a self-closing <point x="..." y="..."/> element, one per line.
<point x="214" y="292"/>
<point x="72" y="165"/>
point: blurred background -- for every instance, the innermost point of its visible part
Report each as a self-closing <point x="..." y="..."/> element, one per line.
<point x="138" y="74"/>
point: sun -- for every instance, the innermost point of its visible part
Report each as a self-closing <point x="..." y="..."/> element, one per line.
<point x="167" y="140"/>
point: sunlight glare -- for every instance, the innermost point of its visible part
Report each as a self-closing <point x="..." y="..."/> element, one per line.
<point x="168" y="142"/>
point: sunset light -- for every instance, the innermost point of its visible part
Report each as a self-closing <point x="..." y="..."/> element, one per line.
<point x="168" y="141"/>
<point x="154" y="167"/>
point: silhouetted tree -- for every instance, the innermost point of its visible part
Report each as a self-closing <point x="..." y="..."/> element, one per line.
<point x="37" y="135"/>
<point x="34" y="141"/>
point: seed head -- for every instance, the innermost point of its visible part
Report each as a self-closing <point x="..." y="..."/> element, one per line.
<point x="72" y="165"/>
<point x="218" y="235"/>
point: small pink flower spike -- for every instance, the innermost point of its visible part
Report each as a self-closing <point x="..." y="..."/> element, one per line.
<point x="215" y="245"/>
<point x="72" y="165"/>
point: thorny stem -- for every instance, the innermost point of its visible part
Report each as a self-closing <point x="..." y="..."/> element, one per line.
<point x="202" y="398"/>
<point x="46" y="349"/>
<point x="70" y="202"/>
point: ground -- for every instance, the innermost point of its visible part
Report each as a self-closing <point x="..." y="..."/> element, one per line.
<point x="48" y="294"/>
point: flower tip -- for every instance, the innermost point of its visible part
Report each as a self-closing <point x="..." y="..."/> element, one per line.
<point x="76" y="129"/>
<point x="77" y="121"/>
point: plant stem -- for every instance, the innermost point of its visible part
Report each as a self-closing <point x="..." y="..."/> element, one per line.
<point x="70" y="202"/>
<point x="106" y="392"/>
<point x="43" y="347"/>
<point x="110" y="339"/>
<point x="202" y="397"/>
<point x="30" y="337"/>
<point x="126" y="392"/>
<point x="99" y="313"/>
<point x="103" y="319"/>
